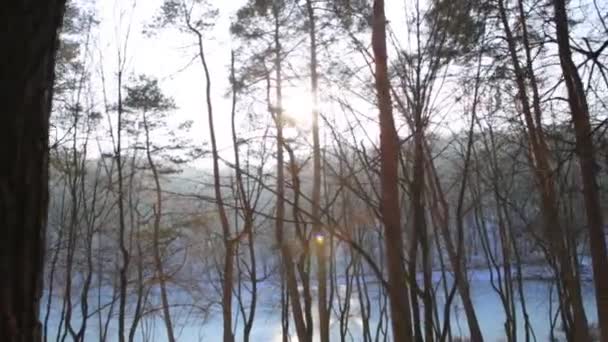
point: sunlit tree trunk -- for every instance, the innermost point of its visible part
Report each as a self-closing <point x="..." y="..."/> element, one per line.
<point x="389" y="152"/>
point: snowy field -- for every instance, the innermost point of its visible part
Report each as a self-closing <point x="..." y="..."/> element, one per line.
<point x="540" y="301"/>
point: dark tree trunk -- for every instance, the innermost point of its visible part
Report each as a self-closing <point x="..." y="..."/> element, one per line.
<point x="229" y="244"/>
<point x="29" y="39"/>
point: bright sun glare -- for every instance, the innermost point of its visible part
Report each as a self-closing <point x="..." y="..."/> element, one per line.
<point x="298" y="106"/>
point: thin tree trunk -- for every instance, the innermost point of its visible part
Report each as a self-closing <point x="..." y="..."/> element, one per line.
<point x="542" y="169"/>
<point x="364" y="302"/>
<point x="72" y="183"/>
<point x="286" y="257"/>
<point x="91" y="219"/>
<point x="52" y="276"/>
<point x="228" y="272"/>
<point x="459" y="262"/>
<point x="316" y="184"/>
<point x="455" y="253"/>
<point x="419" y="221"/>
<point x="284" y="309"/>
<point x="135" y="228"/>
<point x="303" y="263"/>
<point x="157" y="255"/>
<point x="124" y="268"/>
<point x="248" y="210"/>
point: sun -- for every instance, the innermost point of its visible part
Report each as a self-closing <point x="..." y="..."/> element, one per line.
<point x="298" y="106"/>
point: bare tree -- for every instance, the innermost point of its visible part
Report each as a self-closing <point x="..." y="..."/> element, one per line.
<point x="585" y="150"/>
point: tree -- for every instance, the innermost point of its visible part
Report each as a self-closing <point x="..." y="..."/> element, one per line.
<point x="145" y="96"/>
<point x="585" y="150"/>
<point x="268" y="21"/>
<point x="316" y="187"/>
<point x="559" y="249"/>
<point x="389" y="156"/>
<point x="195" y="19"/>
<point x="26" y="72"/>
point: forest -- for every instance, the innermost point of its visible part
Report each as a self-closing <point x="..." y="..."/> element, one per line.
<point x="304" y="170"/>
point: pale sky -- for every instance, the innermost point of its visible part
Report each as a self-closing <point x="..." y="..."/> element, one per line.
<point x="169" y="57"/>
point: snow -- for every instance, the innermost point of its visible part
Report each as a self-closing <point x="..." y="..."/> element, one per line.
<point x="541" y="303"/>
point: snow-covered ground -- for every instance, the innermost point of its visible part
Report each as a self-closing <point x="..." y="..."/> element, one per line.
<point x="540" y="301"/>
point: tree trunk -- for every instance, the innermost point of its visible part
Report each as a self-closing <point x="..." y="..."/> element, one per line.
<point x="585" y="151"/>
<point x="124" y="268"/>
<point x="287" y="262"/>
<point x="389" y="153"/>
<point x="546" y="182"/>
<point x="419" y="220"/>
<point x="29" y="41"/>
<point x="156" y="240"/>
<point x="248" y="209"/>
<point x="459" y="260"/>
<point x="316" y="185"/>
<point x="228" y="243"/>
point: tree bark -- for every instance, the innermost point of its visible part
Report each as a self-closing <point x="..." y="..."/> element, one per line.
<point x="29" y="41"/>
<point x="389" y="155"/>
<point x="585" y="151"/>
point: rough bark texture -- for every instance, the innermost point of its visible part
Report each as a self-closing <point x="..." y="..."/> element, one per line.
<point x="29" y="39"/>
<point x="586" y="157"/>
<point x="389" y="156"/>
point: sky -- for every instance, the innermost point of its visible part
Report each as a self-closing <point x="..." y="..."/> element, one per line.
<point x="171" y="57"/>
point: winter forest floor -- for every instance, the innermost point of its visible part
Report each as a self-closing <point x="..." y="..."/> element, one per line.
<point x="541" y="302"/>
